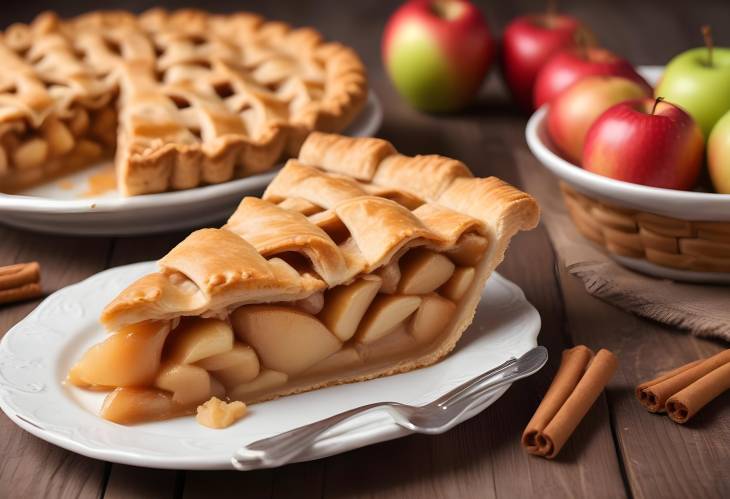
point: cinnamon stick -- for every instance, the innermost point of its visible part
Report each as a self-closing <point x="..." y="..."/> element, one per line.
<point x="25" y="292"/>
<point x="645" y="397"/>
<point x="579" y="381"/>
<point x="685" y="404"/>
<point x="13" y="276"/>
<point x="655" y="393"/>
<point x="20" y="282"/>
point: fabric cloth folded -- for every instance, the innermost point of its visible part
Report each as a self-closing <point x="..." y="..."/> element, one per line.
<point x="701" y="309"/>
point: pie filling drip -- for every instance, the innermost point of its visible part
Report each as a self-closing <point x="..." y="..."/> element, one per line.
<point x="159" y="369"/>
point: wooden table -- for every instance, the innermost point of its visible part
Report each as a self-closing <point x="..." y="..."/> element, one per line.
<point x="619" y="449"/>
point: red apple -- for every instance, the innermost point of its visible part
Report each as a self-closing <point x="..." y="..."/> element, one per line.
<point x="528" y="42"/>
<point x="647" y="142"/>
<point x="573" y="112"/>
<point x="437" y="52"/>
<point x="568" y="66"/>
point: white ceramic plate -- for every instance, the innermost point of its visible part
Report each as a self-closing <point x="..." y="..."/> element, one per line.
<point x="38" y="351"/>
<point x="684" y="205"/>
<point x="57" y="207"/>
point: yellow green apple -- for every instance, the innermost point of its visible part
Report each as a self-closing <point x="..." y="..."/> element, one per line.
<point x="718" y="155"/>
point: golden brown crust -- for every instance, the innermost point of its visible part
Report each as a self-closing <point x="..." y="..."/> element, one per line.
<point x="311" y="184"/>
<point x="203" y="98"/>
<point x="349" y="156"/>
<point x="424" y="176"/>
<point x="309" y="240"/>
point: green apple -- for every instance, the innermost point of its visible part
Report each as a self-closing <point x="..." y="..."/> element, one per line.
<point x="718" y="155"/>
<point x="699" y="81"/>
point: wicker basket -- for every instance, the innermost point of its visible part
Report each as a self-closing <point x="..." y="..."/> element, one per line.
<point x="668" y="242"/>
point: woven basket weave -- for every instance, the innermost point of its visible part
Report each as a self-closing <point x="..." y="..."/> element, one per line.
<point x="668" y="242"/>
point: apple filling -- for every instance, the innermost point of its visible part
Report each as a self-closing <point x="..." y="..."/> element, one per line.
<point x="166" y="368"/>
<point x="59" y="146"/>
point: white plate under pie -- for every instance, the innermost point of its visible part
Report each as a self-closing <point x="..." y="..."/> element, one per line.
<point x="62" y="207"/>
<point x="38" y="351"/>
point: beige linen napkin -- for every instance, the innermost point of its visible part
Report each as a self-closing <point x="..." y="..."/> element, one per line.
<point x="701" y="309"/>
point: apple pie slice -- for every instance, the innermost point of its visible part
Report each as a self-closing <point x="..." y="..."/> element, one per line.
<point x="357" y="262"/>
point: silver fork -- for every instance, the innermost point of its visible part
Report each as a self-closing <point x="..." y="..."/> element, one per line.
<point x="436" y="417"/>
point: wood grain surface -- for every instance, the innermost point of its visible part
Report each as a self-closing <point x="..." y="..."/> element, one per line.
<point x="619" y="450"/>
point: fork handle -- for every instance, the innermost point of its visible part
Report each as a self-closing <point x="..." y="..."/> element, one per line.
<point x="281" y="448"/>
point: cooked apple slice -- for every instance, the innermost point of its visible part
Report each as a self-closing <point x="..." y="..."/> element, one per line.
<point x="240" y="354"/>
<point x="312" y="304"/>
<point x="469" y="250"/>
<point x="396" y="342"/>
<point x="285" y="339"/>
<point x="236" y="375"/>
<point x="189" y="384"/>
<point x="423" y="271"/>
<point x="456" y="287"/>
<point x="385" y="313"/>
<point x="130" y="357"/>
<point x="345" y="306"/>
<point x="195" y="339"/>
<point x="74" y="378"/>
<point x="347" y="358"/>
<point x="267" y="380"/>
<point x="235" y="367"/>
<point x="431" y="317"/>
<point x="136" y="405"/>
<point x="390" y="274"/>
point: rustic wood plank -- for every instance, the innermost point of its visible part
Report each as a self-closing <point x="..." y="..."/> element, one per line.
<point x="130" y="482"/>
<point x="228" y="484"/>
<point x="304" y="480"/>
<point x="30" y="467"/>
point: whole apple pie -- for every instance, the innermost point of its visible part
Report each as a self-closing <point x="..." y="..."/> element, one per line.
<point x="357" y="262"/>
<point x="185" y="98"/>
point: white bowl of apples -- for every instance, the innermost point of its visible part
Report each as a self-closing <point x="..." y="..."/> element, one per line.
<point x="632" y="174"/>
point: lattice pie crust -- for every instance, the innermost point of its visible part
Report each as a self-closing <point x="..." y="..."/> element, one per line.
<point x="186" y="98"/>
<point x="358" y="262"/>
